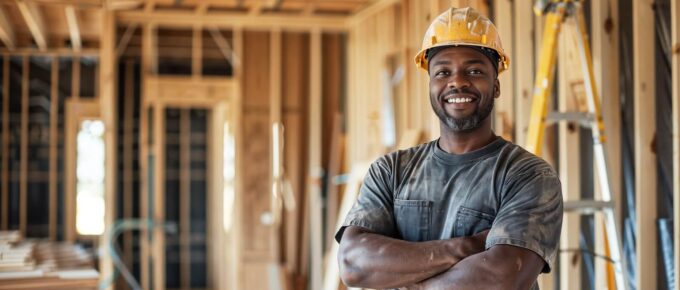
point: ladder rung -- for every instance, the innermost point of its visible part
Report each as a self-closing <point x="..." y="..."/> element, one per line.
<point x="584" y="118"/>
<point x="587" y="206"/>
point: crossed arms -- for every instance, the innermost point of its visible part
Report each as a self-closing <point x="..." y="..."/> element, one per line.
<point x="375" y="261"/>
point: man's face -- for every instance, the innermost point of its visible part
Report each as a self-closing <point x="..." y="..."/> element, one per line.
<point x="463" y="85"/>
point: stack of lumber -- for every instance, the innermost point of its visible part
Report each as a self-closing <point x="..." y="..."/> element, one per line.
<point x="36" y="264"/>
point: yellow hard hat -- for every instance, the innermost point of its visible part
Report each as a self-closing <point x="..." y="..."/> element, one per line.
<point x="464" y="27"/>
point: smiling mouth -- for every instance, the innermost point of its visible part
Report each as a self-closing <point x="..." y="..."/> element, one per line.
<point x="458" y="100"/>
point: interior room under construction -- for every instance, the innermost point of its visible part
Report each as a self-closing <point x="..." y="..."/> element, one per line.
<point x="219" y="144"/>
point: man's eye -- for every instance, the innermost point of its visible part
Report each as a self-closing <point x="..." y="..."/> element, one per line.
<point x="475" y="72"/>
<point x="442" y="73"/>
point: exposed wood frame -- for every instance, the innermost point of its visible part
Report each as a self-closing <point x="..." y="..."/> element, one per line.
<point x="23" y="147"/>
<point x="230" y="20"/>
<point x="51" y="52"/>
<point x="524" y="74"/>
<point x="125" y="39"/>
<point x="197" y="52"/>
<point x="128" y="158"/>
<point x="144" y="182"/>
<point x="158" y="244"/>
<point x="75" y="78"/>
<point x="235" y="235"/>
<point x="73" y="28"/>
<point x="34" y="19"/>
<point x="645" y="158"/>
<point x="315" y="167"/>
<point x="185" y="197"/>
<point x="54" y="140"/>
<point x="366" y="12"/>
<point x="675" y="80"/>
<point x="505" y="110"/>
<point x="224" y="46"/>
<point x="276" y="120"/>
<point x="4" y="216"/>
<point x="6" y="31"/>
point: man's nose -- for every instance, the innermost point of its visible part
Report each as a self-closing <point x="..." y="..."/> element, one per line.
<point x="458" y="80"/>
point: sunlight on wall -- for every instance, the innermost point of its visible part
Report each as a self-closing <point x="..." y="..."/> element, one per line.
<point x="90" y="178"/>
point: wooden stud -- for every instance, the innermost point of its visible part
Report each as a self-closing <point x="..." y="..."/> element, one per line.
<point x="33" y="17"/>
<point x="224" y="46"/>
<point x="524" y="73"/>
<point x="128" y="144"/>
<point x="108" y="100"/>
<point x="4" y="216"/>
<point x="275" y="117"/>
<point x="50" y="52"/>
<point x="505" y="110"/>
<point x="23" y="165"/>
<point x="645" y="158"/>
<point x="6" y="31"/>
<point x="675" y="80"/>
<point x="147" y="70"/>
<point x="75" y="78"/>
<point x="74" y="30"/>
<point x="605" y="44"/>
<point x="185" y="197"/>
<point x="197" y="52"/>
<point x="54" y="140"/>
<point x="235" y="252"/>
<point x="158" y="246"/>
<point x="125" y="39"/>
<point x="315" y="167"/>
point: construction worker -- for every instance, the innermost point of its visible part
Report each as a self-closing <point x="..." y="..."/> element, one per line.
<point x="469" y="210"/>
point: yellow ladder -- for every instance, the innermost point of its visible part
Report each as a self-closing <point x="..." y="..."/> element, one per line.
<point x="556" y="12"/>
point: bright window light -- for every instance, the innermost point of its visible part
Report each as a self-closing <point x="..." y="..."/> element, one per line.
<point x="90" y="178"/>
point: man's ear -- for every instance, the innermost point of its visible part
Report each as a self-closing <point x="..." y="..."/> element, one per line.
<point x="497" y="88"/>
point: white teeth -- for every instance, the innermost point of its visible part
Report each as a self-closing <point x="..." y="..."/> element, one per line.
<point x="459" y="100"/>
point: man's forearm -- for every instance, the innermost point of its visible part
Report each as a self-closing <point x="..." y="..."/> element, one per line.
<point x="375" y="261"/>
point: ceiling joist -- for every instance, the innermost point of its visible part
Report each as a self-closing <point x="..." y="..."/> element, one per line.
<point x="6" y="31"/>
<point x="73" y="28"/>
<point x="33" y="17"/>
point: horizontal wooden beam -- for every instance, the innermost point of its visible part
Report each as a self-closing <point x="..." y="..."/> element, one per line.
<point x="371" y="10"/>
<point x="33" y="17"/>
<point x="188" y="19"/>
<point x="49" y="52"/>
<point x="73" y="28"/>
<point x="6" y="30"/>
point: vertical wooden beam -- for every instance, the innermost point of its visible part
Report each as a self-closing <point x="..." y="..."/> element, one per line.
<point x="524" y="68"/>
<point x="70" y="155"/>
<point x="6" y="31"/>
<point x="74" y="30"/>
<point x="236" y="220"/>
<point x="33" y="17"/>
<point x="23" y="162"/>
<point x="128" y="145"/>
<point x="276" y="120"/>
<point x="505" y="111"/>
<point x="605" y="44"/>
<point x="569" y="167"/>
<point x="108" y="104"/>
<point x="4" y="216"/>
<point x="645" y="158"/>
<point x="197" y="52"/>
<point x="315" y="167"/>
<point x="185" y="197"/>
<point x="75" y="78"/>
<point x="158" y="245"/>
<point x="54" y="140"/>
<point x="675" y="80"/>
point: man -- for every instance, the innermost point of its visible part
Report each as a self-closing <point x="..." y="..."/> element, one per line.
<point x="467" y="211"/>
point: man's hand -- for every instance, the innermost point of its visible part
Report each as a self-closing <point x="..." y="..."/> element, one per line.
<point x="370" y="260"/>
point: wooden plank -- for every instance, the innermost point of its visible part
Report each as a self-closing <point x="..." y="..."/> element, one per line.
<point x="236" y="235"/>
<point x="54" y="140"/>
<point x="197" y="52"/>
<point x="185" y="198"/>
<point x="74" y="30"/>
<point x="34" y="19"/>
<point x="4" y="216"/>
<point x="107" y="95"/>
<point x="675" y="80"/>
<point x="223" y="45"/>
<point x="168" y="18"/>
<point x="75" y="78"/>
<point x="275" y="119"/>
<point x="128" y="158"/>
<point x="23" y="153"/>
<point x="315" y="167"/>
<point x="369" y="11"/>
<point x="147" y="69"/>
<point x="524" y="73"/>
<point x="605" y="44"/>
<point x="505" y="110"/>
<point x="7" y="34"/>
<point x="125" y="39"/>
<point x="645" y="158"/>
<point x="158" y="246"/>
<point x="51" y="52"/>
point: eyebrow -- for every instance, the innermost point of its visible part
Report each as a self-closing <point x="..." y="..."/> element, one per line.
<point x="467" y="62"/>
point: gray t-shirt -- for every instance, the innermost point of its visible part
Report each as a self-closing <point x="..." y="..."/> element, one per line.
<point x="424" y="193"/>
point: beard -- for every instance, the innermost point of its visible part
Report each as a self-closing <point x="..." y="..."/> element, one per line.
<point x="468" y="123"/>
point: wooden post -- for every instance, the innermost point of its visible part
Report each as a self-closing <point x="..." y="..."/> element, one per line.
<point x="197" y="52"/>
<point x="275" y="109"/>
<point x="505" y="110"/>
<point x="315" y="169"/>
<point x="4" y="216"/>
<point x="54" y="139"/>
<point x="185" y="197"/>
<point x="524" y="67"/>
<point x="605" y="48"/>
<point x="675" y="80"/>
<point x="158" y="245"/>
<point x="235" y="252"/>
<point x="108" y="102"/>
<point x="645" y="158"/>
<point x="23" y="165"/>
<point x="128" y="141"/>
<point x="75" y="78"/>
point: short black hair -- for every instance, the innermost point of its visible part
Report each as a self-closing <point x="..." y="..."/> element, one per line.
<point x="493" y="55"/>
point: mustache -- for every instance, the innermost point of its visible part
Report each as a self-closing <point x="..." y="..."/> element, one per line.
<point x="456" y="91"/>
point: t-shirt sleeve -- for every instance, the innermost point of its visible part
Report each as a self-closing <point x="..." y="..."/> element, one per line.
<point x="373" y="208"/>
<point x="530" y="215"/>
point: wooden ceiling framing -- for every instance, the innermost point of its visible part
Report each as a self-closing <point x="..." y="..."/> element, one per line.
<point x="75" y="25"/>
